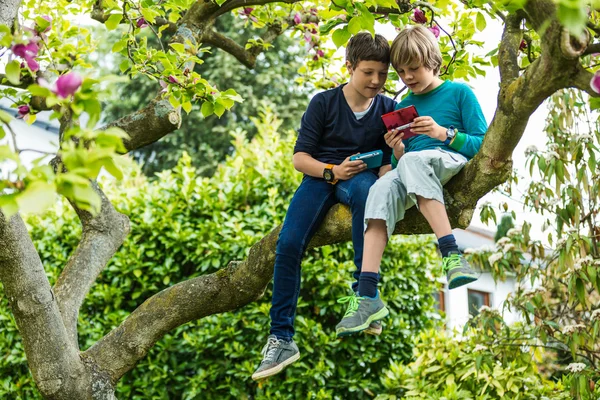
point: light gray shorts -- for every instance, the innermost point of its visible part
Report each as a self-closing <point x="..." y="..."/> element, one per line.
<point x="420" y="173"/>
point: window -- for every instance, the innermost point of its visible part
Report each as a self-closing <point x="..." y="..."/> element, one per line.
<point x="477" y="299"/>
<point x="440" y="300"/>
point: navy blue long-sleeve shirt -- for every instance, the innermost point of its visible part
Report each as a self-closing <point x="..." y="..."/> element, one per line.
<point x="330" y="132"/>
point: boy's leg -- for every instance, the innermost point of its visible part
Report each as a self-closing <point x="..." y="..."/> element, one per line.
<point x="354" y="193"/>
<point x="385" y="205"/>
<point x="307" y="209"/>
<point x="425" y="173"/>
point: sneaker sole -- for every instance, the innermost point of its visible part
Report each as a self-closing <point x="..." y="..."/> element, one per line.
<point x="461" y="281"/>
<point x="373" y="331"/>
<point x="275" y="370"/>
<point x="375" y="317"/>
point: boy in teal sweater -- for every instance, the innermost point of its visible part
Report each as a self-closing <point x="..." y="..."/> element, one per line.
<point x="450" y="129"/>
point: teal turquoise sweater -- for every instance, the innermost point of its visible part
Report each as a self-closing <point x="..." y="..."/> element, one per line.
<point x="451" y="103"/>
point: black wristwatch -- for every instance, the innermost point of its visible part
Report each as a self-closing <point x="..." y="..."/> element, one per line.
<point x="328" y="174"/>
<point x="450" y="135"/>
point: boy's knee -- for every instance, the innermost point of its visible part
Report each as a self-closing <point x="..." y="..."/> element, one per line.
<point x="288" y="246"/>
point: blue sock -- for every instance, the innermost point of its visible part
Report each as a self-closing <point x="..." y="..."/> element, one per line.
<point x="367" y="284"/>
<point x="447" y="244"/>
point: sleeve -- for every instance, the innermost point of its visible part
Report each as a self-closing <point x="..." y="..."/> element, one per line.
<point x="468" y="143"/>
<point x="387" y="150"/>
<point x="311" y="126"/>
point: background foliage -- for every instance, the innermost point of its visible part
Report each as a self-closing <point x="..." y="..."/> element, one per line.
<point x="207" y="139"/>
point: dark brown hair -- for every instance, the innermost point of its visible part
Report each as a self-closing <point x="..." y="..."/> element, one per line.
<point x="364" y="47"/>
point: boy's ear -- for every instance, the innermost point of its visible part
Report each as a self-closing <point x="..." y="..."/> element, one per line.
<point x="349" y="66"/>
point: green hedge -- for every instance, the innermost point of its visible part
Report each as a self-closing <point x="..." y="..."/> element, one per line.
<point x="184" y="226"/>
<point x="460" y="367"/>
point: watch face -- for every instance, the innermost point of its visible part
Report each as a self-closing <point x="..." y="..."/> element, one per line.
<point x="328" y="175"/>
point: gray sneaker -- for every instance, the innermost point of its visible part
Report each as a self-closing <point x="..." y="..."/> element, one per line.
<point x="361" y="312"/>
<point x="277" y="354"/>
<point x="374" y="328"/>
<point x="457" y="270"/>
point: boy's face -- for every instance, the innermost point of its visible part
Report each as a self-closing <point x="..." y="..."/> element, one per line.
<point x="368" y="77"/>
<point x="418" y="78"/>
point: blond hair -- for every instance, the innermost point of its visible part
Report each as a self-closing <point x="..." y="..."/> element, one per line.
<point x="416" y="44"/>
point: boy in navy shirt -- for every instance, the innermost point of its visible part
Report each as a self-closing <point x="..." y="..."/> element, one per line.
<point x="450" y="129"/>
<point x="337" y="124"/>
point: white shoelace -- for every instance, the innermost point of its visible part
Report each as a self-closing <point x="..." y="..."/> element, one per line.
<point x="270" y="349"/>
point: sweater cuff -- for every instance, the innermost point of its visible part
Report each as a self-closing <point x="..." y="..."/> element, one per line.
<point x="458" y="141"/>
<point x="394" y="161"/>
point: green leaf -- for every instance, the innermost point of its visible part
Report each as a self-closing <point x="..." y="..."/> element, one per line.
<point x="120" y="45"/>
<point x="137" y="273"/>
<point x="36" y="197"/>
<point x="341" y="36"/>
<point x="112" y="169"/>
<point x="207" y="109"/>
<point x="37" y="90"/>
<point x="233" y="95"/>
<point x="13" y="72"/>
<point x="113" y="21"/>
<point x="572" y="15"/>
<point x="595" y="103"/>
<point x="480" y="22"/>
<point x="187" y="106"/>
<point x="354" y="26"/>
<point x="219" y="109"/>
<point x="178" y="47"/>
<point x="580" y="290"/>
<point x="5" y="117"/>
<point x="8" y="205"/>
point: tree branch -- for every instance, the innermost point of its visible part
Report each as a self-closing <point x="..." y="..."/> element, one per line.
<point x="229" y="45"/>
<point x="101" y="237"/>
<point x="231" y="5"/>
<point x="508" y="52"/>
<point x="592" y="49"/>
<point x="53" y="360"/>
<point x="8" y="11"/>
<point x="24" y="82"/>
<point x="148" y="124"/>
<point x="582" y="81"/>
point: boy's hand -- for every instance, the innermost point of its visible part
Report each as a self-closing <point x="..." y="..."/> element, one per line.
<point x="427" y="126"/>
<point x="348" y="169"/>
<point x="384" y="169"/>
<point x="393" y="139"/>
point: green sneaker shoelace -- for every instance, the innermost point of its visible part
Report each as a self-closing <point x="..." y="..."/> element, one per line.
<point x="450" y="262"/>
<point x="354" y="301"/>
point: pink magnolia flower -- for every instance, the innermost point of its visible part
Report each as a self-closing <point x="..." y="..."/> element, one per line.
<point x="28" y="52"/>
<point x="141" y="23"/>
<point x="320" y="53"/>
<point x="419" y="16"/>
<point x="435" y="30"/>
<point x="595" y="82"/>
<point x="523" y="45"/>
<point x="68" y="84"/>
<point x="246" y="12"/>
<point x="307" y="37"/>
<point x="23" y="111"/>
<point x="173" y="79"/>
<point x="163" y="85"/>
<point x="297" y="19"/>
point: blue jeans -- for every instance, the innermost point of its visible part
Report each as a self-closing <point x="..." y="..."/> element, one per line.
<point x="307" y="210"/>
